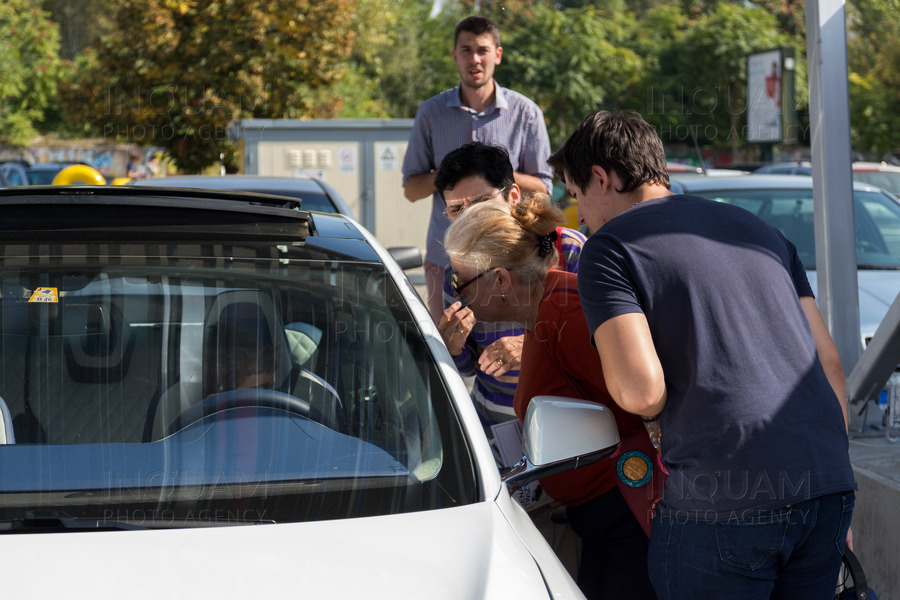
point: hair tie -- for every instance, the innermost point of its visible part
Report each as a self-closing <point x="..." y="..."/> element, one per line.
<point x="545" y="243"/>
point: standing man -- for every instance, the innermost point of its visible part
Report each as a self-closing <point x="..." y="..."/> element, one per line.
<point x="705" y="321"/>
<point x="477" y="110"/>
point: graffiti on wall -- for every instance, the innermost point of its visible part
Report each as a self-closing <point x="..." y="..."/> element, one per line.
<point x="111" y="161"/>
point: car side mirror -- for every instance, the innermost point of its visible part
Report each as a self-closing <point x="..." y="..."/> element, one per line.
<point x="562" y="434"/>
<point x="408" y="257"/>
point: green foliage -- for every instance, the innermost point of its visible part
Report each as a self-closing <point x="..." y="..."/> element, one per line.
<point x="874" y="64"/>
<point x="591" y="65"/>
<point x="701" y="87"/>
<point x="29" y="47"/>
<point x="174" y="73"/>
<point x="417" y="64"/>
<point x="388" y="72"/>
<point x="81" y="22"/>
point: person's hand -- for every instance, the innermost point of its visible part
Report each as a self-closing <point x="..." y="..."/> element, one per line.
<point x="503" y="355"/>
<point x="850" y="538"/>
<point x="455" y="324"/>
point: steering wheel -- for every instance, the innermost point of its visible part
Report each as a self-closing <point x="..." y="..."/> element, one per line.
<point x="246" y="398"/>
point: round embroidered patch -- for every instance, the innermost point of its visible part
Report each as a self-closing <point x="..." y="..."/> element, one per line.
<point x="635" y="468"/>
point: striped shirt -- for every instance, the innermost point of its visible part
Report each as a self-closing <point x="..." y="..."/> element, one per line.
<point x="494" y="398"/>
<point x="443" y="124"/>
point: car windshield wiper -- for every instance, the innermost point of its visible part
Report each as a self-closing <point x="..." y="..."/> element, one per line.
<point x="874" y="267"/>
<point x="59" y="522"/>
<point x="54" y="523"/>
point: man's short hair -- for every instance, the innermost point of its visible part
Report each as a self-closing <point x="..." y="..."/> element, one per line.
<point x="621" y="141"/>
<point x="477" y="25"/>
<point x="475" y="158"/>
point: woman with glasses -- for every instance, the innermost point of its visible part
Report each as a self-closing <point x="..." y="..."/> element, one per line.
<point x="489" y="352"/>
<point x="504" y="262"/>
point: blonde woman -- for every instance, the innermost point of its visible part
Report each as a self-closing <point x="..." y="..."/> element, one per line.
<point x="503" y="260"/>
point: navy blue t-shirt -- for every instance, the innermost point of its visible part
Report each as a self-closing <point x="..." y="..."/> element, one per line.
<point x="751" y="421"/>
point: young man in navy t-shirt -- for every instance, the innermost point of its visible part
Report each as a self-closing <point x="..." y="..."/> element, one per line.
<point x="706" y="326"/>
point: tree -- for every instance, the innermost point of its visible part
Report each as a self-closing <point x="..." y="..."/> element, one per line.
<point x="174" y="73"/>
<point x="703" y="74"/>
<point x="572" y="62"/>
<point x="29" y="47"/>
<point x="417" y="64"/>
<point x="81" y="22"/>
<point x="874" y="64"/>
<point x="385" y="73"/>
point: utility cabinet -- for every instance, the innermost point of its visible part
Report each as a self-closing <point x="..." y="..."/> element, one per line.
<point x="360" y="158"/>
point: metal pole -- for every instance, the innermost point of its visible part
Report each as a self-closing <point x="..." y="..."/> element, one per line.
<point x="835" y="229"/>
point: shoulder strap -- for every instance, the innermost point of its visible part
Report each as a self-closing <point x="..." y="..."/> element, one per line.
<point x="860" y="585"/>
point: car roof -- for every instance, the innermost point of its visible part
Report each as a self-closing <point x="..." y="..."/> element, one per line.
<point x="254" y="183"/>
<point x="875" y="166"/>
<point x="52" y="166"/>
<point x="230" y="182"/>
<point x="139" y="214"/>
<point x="861" y="165"/>
<point x="694" y="185"/>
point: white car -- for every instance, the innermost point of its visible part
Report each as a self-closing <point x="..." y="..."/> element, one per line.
<point x="879" y="174"/>
<point x="214" y="395"/>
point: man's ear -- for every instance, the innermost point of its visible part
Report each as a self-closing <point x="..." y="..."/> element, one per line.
<point x="499" y="55"/>
<point x="514" y="194"/>
<point x="602" y="176"/>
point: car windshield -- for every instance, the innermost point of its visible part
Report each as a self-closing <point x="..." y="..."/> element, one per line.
<point x="791" y="212"/>
<point x="168" y="385"/>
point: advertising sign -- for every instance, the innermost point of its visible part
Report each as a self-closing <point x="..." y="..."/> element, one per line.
<point x="764" y="97"/>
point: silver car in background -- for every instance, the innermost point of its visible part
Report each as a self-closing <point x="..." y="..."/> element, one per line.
<point x="786" y="202"/>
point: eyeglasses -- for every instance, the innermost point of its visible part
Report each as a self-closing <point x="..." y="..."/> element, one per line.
<point x="458" y="288"/>
<point x="451" y="212"/>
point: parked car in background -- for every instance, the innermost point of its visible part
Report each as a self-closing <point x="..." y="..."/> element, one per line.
<point x="17" y="172"/>
<point x="882" y="175"/>
<point x="684" y="170"/>
<point x="570" y="206"/>
<point x="250" y="396"/>
<point x="316" y="194"/>
<point x="786" y="202"/>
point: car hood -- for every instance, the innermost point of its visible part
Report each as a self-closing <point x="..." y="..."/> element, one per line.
<point x="466" y="552"/>
<point x="877" y="291"/>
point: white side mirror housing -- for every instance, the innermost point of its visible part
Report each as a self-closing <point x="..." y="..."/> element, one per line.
<point x="563" y="434"/>
<point x="558" y="428"/>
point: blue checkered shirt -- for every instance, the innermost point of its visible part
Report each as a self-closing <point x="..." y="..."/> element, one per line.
<point x="443" y="124"/>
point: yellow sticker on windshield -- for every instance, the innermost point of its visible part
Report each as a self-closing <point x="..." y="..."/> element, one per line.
<point x="44" y="294"/>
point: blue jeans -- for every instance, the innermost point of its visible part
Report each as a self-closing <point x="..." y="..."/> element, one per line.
<point x="792" y="553"/>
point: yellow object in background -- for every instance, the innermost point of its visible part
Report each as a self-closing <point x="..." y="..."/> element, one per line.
<point x="570" y="214"/>
<point x="79" y="175"/>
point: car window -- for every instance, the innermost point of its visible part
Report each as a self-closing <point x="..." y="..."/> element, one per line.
<point x="886" y="180"/>
<point x="193" y="384"/>
<point x="41" y="176"/>
<point x="14" y="177"/>
<point x="791" y="212"/>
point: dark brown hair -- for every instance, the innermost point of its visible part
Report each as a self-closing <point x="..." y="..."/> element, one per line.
<point x="477" y="25"/>
<point x="620" y="141"/>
